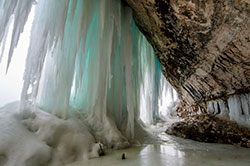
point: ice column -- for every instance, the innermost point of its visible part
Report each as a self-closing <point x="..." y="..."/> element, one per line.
<point x="236" y="107"/>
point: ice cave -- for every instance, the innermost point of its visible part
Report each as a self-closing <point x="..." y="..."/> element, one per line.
<point x="124" y="82"/>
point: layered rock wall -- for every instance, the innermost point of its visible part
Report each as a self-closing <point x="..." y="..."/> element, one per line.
<point x="203" y="45"/>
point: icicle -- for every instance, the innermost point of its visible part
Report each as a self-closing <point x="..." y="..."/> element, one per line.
<point x="20" y="10"/>
<point x="126" y="52"/>
<point x="7" y="8"/>
<point x="168" y="100"/>
<point x="46" y="32"/>
<point x="223" y="108"/>
<point x="8" y="28"/>
<point x="236" y="108"/>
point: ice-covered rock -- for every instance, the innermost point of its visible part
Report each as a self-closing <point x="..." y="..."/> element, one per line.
<point x="236" y="107"/>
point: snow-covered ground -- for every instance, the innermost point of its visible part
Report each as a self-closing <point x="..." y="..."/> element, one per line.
<point x="39" y="138"/>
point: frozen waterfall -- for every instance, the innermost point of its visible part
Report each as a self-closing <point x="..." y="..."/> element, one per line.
<point x="87" y="57"/>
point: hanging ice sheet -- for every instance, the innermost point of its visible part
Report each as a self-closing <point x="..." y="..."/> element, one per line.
<point x="88" y="56"/>
<point x="236" y="108"/>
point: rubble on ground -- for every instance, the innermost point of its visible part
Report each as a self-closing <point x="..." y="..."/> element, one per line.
<point x="211" y="129"/>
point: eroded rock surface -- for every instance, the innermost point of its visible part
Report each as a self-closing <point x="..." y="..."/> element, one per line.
<point x="211" y="129"/>
<point x="203" y="45"/>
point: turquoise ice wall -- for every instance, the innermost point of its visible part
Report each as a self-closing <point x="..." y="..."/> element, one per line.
<point x="88" y="56"/>
<point x="103" y="64"/>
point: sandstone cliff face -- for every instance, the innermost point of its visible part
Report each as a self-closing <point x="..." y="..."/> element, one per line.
<point x="203" y="45"/>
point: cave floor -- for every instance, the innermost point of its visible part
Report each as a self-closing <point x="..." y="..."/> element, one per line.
<point x="173" y="151"/>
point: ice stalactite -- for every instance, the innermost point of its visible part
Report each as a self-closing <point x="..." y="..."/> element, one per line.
<point x="236" y="107"/>
<point x="19" y="10"/>
<point x="168" y="100"/>
<point x="88" y="57"/>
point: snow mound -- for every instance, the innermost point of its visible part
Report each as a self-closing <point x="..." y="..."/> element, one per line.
<point x="43" y="139"/>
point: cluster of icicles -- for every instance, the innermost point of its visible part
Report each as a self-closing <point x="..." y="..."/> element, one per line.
<point x="236" y="107"/>
<point x="87" y="56"/>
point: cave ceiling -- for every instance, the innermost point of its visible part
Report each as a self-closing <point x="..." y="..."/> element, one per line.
<point x="203" y="45"/>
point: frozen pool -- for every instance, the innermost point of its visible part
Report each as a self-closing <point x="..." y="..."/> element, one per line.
<point x="174" y="151"/>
